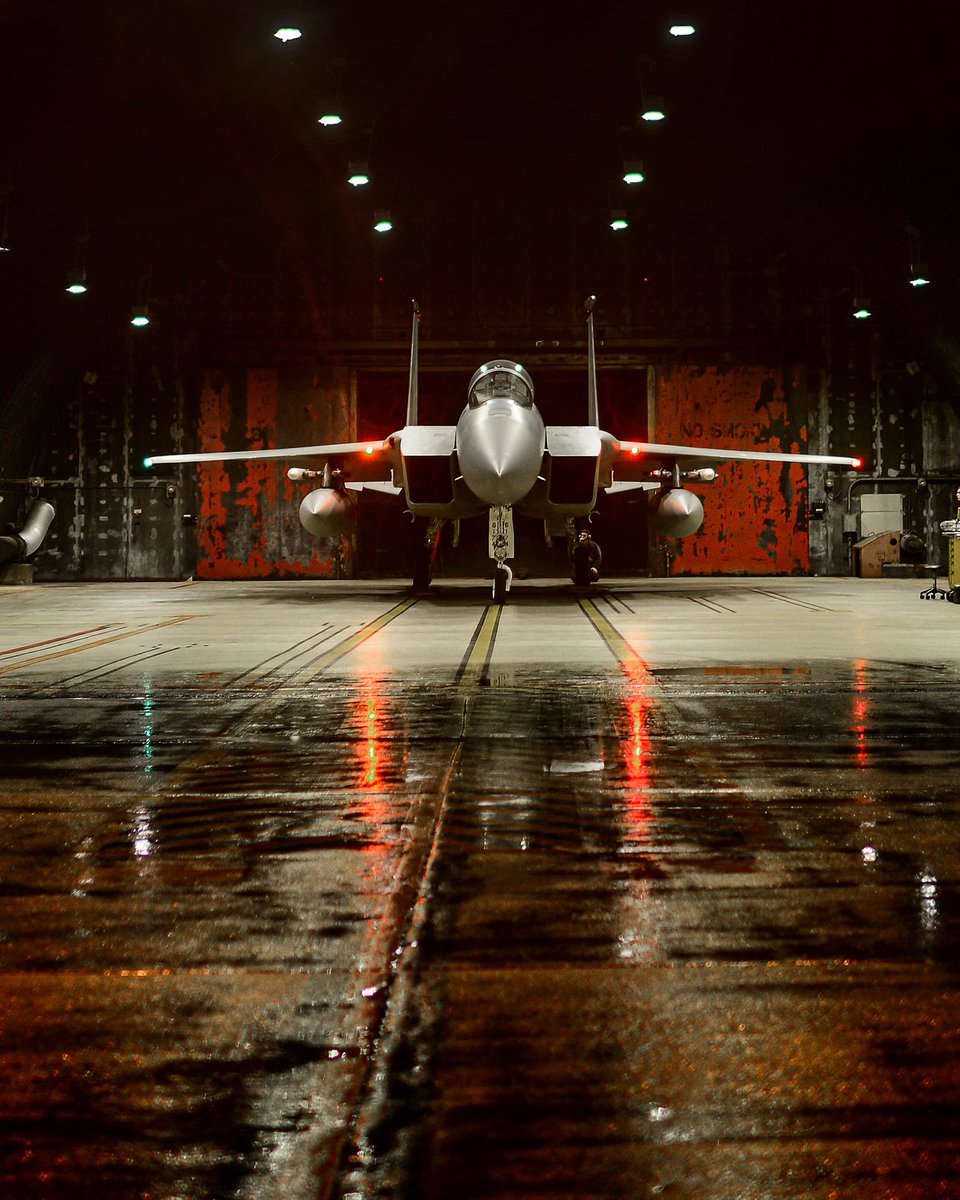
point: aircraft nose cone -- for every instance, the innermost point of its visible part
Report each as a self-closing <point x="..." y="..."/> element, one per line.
<point x="499" y="457"/>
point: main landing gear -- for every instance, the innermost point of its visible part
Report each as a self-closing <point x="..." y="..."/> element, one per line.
<point x="425" y="555"/>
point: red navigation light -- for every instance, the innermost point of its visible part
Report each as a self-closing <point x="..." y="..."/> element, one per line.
<point x="858" y="464"/>
<point x="369" y="449"/>
<point x="634" y="449"/>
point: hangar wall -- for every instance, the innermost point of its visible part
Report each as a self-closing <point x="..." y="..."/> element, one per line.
<point x="248" y="526"/>
<point x="755" y="514"/>
<point x="116" y="520"/>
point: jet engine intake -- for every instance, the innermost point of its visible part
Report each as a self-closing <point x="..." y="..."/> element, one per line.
<point x="676" y="513"/>
<point x="328" y="512"/>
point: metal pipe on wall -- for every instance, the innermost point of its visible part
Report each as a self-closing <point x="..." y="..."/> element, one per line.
<point x="26" y="541"/>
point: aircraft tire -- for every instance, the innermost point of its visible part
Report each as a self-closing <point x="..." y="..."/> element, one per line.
<point x="421" y="569"/>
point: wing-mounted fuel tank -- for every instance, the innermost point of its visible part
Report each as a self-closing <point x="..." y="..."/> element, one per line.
<point x="675" y="512"/>
<point x="326" y="512"/>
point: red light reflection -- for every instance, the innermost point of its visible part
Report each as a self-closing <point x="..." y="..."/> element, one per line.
<point x="860" y="712"/>
<point x="636" y="753"/>
<point x="372" y="802"/>
<point x="369" y="719"/>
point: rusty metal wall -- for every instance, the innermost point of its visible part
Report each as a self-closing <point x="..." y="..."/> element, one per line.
<point x="117" y="520"/>
<point x="756" y="514"/>
<point x="248" y="523"/>
<point x="114" y="519"/>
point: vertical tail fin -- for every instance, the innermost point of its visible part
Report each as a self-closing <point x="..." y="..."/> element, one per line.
<point x="412" y="415"/>
<point x="593" y="413"/>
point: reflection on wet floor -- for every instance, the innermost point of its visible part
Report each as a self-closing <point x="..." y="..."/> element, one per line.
<point x="609" y="932"/>
<point x="663" y="962"/>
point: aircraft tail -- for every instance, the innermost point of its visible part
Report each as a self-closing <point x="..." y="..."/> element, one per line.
<point x="593" y="413"/>
<point x="412" y="414"/>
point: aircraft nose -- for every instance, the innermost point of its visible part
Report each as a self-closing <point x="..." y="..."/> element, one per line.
<point x="499" y="457"/>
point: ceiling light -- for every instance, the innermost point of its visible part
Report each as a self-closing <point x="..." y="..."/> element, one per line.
<point x="682" y="30"/>
<point x="358" y="174"/>
<point x="330" y="119"/>
<point x="76" y="282"/>
<point x="861" y="310"/>
<point x="618" y="220"/>
<point x="383" y="222"/>
<point x="918" y="276"/>
<point x="653" y="109"/>
<point x="140" y="317"/>
<point x="633" y="172"/>
<point x="288" y="33"/>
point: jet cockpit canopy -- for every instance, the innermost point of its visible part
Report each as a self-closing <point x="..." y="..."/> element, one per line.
<point x="501" y="379"/>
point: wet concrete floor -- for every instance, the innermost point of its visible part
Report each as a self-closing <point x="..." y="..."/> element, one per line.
<point x="320" y="890"/>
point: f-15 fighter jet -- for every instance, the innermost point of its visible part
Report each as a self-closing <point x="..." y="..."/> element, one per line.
<point x="501" y="459"/>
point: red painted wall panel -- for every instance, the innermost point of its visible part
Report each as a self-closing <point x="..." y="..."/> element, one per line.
<point x="755" y="520"/>
<point x="248" y="524"/>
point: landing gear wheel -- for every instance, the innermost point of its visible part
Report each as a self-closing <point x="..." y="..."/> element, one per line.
<point x="501" y="581"/>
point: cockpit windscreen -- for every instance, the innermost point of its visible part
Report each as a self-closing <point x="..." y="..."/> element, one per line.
<point x="501" y="378"/>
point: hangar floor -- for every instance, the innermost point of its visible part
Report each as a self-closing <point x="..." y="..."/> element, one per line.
<point x="320" y="890"/>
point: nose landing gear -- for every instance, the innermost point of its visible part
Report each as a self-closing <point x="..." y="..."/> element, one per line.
<point x="501" y="548"/>
<point x="502" y="578"/>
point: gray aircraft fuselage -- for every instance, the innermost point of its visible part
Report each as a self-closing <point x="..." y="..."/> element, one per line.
<point x="500" y="448"/>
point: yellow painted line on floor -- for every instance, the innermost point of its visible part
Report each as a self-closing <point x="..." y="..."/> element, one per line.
<point x="219" y="749"/>
<point x="621" y="649"/>
<point x="476" y="661"/>
<point x="116" y="637"/>
<point x="64" y="637"/>
<point x="342" y="649"/>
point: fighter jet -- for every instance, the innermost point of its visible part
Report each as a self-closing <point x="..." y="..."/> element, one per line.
<point x="501" y="459"/>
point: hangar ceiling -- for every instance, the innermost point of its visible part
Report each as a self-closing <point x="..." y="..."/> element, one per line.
<point x="174" y="151"/>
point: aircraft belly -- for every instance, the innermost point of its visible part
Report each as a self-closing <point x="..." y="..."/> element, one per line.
<point x="544" y="509"/>
<point x="463" y="504"/>
<point x="448" y="512"/>
<point x="537" y="503"/>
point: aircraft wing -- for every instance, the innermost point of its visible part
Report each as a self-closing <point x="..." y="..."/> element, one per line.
<point x="360" y="461"/>
<point x="634" y="460"/>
